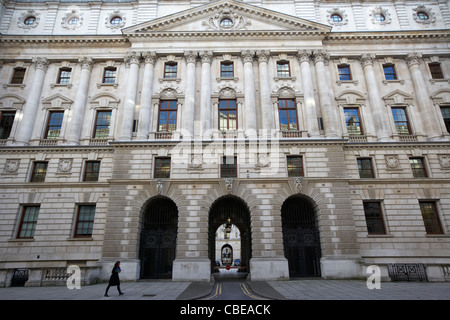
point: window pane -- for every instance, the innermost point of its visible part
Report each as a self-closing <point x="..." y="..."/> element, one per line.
<point x="18" y="76"/>
<point x="374" y="218"/>
<point x="85" y="222"/>
<point x="228" y="168"/>
<point x="54" y="125"/>
<point x="365" y="168"/>
<point x="445" y="111"/>
<point x="400" y="120"/>
<point x="6" y="123"/>
<point x="227" y="115"/>
<point x="28" y="223"/>
<point x="417" y="167"/>
<point x="430" y="218"/>
<point x="92" y="171"/>
<point x="102" y="124"/>
<point x="64" y="75"/>
<point x="226" y="70"/>
<point x="295" y="166"/>
<point x="287" y="114"/>
<point x="167" y="120"/>
<point x="283" y="69"/>
<point x="436" y="70"/>
<point x="170" y="70"/>
<point x="389" y="72"/>
<point x="39" y="172"/>
<point x="162" y="168"/>
<point x="352" y="121"/>
<point x="344" y="72"/>
<point x="109" y="75"/>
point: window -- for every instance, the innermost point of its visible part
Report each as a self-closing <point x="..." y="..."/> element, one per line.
<point x="287" y="114"/>
<point x="227" y="115"/>
<point x="344" y="72"/>
<point x="283" y="70"/>
<point x="102" y="124"/>
<point x="418" y="167"/>
<point x="226" y="22"/>
<point x="365" y="168"/>
<point x="352" y="121"/>
<point x="436" y="70"/>
<point x="423" y="16"/>
<point x="446" y="115"/>
<point x="39" y="171"/>
<point x="28" y="222"/>
<point x="54" y="124"/>
<point x="116" y="21"/>
<point x="91" y="171"/>
<point x="18" y="75"/>
<point x="336" y="18"/>
<point x="401" y="120"/>
<point x="430" y="217"/>
<point x="64" y="75"/>
<point x="228" y="168"/>
<point x="170" y="70"/>
<point x="85" y="221"/>
<point x="6" y="123"/>
<point x="389" y="71"/>
<point x="294" y="166"/>
<point x="109" y="75"/>
<point x="226" y="69"/>
<point x="162" y="167"/>
<point x="379" y="17"/>
<point x="374" y="218"/>
<point x="29" y="21"/>
<point x="167" y="121"/>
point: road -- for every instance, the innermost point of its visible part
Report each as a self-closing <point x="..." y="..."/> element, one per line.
<point x="232" y="287"/>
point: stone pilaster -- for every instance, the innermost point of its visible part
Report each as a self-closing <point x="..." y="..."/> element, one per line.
<point x="145" y="112"/>
<point x="264" y="90"/>
<point x="30" y="108"/>
<point x="132" y="60"/>
<point x="205" y="97"/>
<point x="79" y="105"/>
<point x="189" y="95"/>
<point x="376" y="103"/>
<point x="249" y="93"/>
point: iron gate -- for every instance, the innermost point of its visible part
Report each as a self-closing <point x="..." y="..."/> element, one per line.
<point x="301" y="237"/>
<point x="158" y="239"/>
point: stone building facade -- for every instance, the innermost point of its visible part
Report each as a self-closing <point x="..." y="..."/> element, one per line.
<point x="132" y="130"/>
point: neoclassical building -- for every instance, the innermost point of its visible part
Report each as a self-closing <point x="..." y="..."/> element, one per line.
<point x="135" y="130"/>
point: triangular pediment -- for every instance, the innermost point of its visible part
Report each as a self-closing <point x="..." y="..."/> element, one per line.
<point x="227" y="16"/>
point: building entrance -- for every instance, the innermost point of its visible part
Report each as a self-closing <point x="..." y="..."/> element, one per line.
<point x="301" y="237"/>
<point x="230" y="210"/>
<point x="158" y="238"/>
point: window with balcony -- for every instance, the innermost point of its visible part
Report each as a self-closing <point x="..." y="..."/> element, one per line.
<point x="227" y="115"/>
<point x="401" y="120"/>
<point x="167" y="118"/>
<point x="102" y="124"/>
<point x="353" y="121"/>
<point x="6" y="123"/>
<point x="54" y="124"/>
<point x="287" y="111"/>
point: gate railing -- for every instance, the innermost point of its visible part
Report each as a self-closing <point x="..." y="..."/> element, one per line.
<point x="407" y="272"/>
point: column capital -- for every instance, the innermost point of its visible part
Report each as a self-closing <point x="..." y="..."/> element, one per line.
<point x="263" y="55"/>
<point x="367" y="59"/>
<point x="206" y="56"/>
<point x="247" y="55"/>
<point x="86" y="63"/>
<point x="41" y="63"/>
<point x="191" y="56"/>
<point x="413" y="59"/>
<point x="149" y="57"/>
<point x="304" y="55"/>
<point x="132" y="58"/>
<point x="320" y="56"/>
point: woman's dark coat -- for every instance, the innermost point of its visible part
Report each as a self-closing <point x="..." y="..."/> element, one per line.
<point x="114" y="279"/>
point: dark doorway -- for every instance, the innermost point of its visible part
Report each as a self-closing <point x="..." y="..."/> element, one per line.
<point x="230" y="209"/>
<point x="301" y="237"/>
<point x="158" y="238"/>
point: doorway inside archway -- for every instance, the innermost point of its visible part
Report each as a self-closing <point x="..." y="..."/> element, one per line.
<point x="229" y="214"/>
<point x="301" y="237"/>
<point x="158" y="238"/>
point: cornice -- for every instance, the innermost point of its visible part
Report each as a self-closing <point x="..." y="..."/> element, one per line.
<point x="63" y="39"/>
<point x="389" y="35"/>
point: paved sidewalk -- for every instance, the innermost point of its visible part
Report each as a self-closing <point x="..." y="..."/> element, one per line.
<point x="279" y="290"/>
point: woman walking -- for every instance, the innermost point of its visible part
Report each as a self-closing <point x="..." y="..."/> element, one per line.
<point x="114" y="279"/>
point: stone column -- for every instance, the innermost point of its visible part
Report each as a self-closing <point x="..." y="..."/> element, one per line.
<point x="377" y="106"/>
<point x="205" y="98"/>
<point x="79" y="105"/>
<point x="249" y="94"/>
<point x="425" y="104"/>
<point x="189" y="100"/>
<point x="145" y="112"/>
<point x="308" y="94"/>
<point x="30" y="108"/>
<point x="264" y="90"/>
<point x="328" y="114"/>
<point x="126" y="132"/>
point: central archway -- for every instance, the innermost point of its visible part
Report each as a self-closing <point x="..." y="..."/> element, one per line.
<point x="234" y="210"/>
<point x="158" y="238"/>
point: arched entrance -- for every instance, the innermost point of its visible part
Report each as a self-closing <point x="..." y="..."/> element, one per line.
<point x="158" y="238"/>
<point x="301" y="237"/>
<point x="230" y="209"/>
